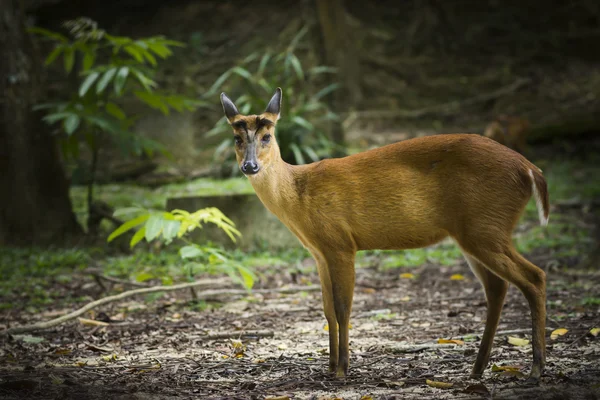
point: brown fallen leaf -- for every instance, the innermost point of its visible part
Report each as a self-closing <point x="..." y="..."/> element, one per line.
<point x="92" y="322"/>
<point x="366" y="397"/>
<point x="451" y="341"/>
<point x="478" y="388"/>
<point x="439" y="385"/>
<point x="284" y="397"/>
<point x="503" y="368"/>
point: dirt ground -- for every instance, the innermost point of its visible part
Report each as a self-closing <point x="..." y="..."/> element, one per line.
<point x="276" y="344"/>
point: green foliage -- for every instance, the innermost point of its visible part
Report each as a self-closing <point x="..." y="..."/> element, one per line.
<point x="305" y="117"/>
<point x="167" y="226"/>
<point x="110" y="69"/>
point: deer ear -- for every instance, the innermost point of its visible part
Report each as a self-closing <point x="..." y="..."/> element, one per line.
<point x="274" y="106"/>
<point x="228" y="106"/>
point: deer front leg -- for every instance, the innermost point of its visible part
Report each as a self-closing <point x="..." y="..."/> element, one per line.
<point x="328" y="308"/>
<point x="341" y="272"/>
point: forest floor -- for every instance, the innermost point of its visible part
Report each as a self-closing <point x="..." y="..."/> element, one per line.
<point x="276" y="344"/>
<point x="265" y="344"/>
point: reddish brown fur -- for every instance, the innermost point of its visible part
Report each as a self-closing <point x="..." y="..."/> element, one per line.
<point x="408" y="195"/>
<point x="509" y="131"/>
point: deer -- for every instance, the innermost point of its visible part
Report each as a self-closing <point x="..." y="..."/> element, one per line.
<point x="510" y="131"/>
<point x="405" y="195"/>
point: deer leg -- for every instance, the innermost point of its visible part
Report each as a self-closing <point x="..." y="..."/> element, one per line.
<point x="495" y="292"/>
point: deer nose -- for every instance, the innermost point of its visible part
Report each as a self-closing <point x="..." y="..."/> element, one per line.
<point x="250" y="167"/>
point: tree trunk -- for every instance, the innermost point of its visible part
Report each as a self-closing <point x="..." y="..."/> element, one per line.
<point x="340" y="52"/>
<point x="35" y="207"/>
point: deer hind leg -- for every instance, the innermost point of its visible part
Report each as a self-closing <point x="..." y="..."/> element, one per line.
<point x="508" y="264"/>
<point x="495" y="291"/>
<point x="341" y="272"/>
<point x="329" y="309"/>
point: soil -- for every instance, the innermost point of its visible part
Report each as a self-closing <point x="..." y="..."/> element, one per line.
<point x="276" y="344"/>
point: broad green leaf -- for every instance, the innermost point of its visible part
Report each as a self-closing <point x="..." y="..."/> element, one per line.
<point x="153" y="100"/>
<point x="105" y="80"/>
<point x="247" y="277"/>
<point x="120" y="80"/>
<point x="146" y="82"/>
<point x="127" y="226"/>
<point x="48" y="34"/>
<point x="54" y="117"/>
<point x="119" y="212"/>
<point x="220" y="80"/>
<point x="263" y="63"/>
<point x="88" y="59"/>
<point x="144" y="276"/>
<point x="149" y="57"/>
<point x="139" y="235"/>
<point x="153" y="227"/>
<point x="71" y="123"/>
<point x="115" y="111"/>
<point x="69" y="59"/>
<point x="190" y="252"/>
<point x="87" y="83"/>
<point x="160" y="49"/>
<point x="311" y="153"/>
<point x="170" y="229"/>
<point x="53" y="55"/>
<point x="135" y="52"/>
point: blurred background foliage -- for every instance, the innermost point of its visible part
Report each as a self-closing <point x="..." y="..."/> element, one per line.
<point x="354" y="76"/>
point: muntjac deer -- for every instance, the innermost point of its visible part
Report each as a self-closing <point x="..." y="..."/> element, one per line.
<point x="401" y="196"/>
<point x="509" y="131"/>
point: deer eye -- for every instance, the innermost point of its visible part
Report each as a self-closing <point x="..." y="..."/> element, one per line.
<point x="266" y="138"/>
<point x="238" y="140"/>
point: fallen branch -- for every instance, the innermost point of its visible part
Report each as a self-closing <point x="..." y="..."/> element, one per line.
<point x="105" y="300"/>
<point x="219" y="292"/>
<point x="237" y="335"/>
<point x="207" y="293"/>
<point x="439" y="109"/>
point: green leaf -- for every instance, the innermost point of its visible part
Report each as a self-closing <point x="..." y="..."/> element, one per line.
<point x="326" y="90"/>
<point x="115" y="111"/>
<point x="190" y="252"/>
<point x="242" y="72"/>
<point x="135" y="52"/>
<point x="247" y="277"/>
<point x="127" y="226"/>
<point x="71" y="123"/>
<point x="311" y="153"/>
<point x="52" y="56"/>
<point x="54" y="117"/>
<point x="170" y="229"/>
<point x="150" y="57"/>
<point x="104" y="81"/>
<point x="119" y="212"/>
<point x="144" y="276"/>
<point x="146" y="82"/>
<point x="153" y="227"/>
<point x="69" y="59"/>
<point x="120" y="80"/>
<point x="303" y="123"/>
<point x="153" y="100"/>
<point x="139" y="235"/>
<point x="263" y="63"/>
<point x="297" y="153"/>
<point x="48" y="34"/>
<point x="87" y="83"/>
<point x="160" y="49"/>
<point x="297" y="66"/>
<point x="88" y="59"/>
<point x="220" y="80"/>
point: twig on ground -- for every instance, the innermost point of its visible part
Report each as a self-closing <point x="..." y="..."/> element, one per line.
<point x="207" y="293"/>
<point x="594" y="324"/>
<point x="57" y="321"/>
<point x="237" y="335"/>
